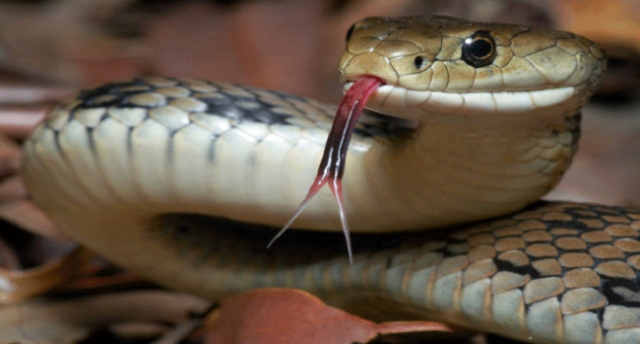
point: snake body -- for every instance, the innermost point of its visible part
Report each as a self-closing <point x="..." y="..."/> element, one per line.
<point x="171" y="177"/>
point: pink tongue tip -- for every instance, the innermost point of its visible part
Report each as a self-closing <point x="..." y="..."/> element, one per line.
<point x="333" y="160"/>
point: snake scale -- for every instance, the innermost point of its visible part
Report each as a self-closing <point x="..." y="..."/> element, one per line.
<point x="183" y="181"/>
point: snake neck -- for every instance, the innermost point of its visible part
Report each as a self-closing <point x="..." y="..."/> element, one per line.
<point x="450" y="171"/>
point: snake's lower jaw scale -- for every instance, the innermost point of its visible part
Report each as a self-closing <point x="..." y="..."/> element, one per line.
<point x="422" y="105"/>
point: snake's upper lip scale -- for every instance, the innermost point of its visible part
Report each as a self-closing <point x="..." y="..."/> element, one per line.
<point x="351" y="79"/>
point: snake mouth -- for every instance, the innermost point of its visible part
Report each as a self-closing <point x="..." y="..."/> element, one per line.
<point x="390" y="99"/>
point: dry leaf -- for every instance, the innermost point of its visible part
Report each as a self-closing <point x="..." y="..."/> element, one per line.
<point x="274" y="316"/>
<point x="70" y="320"/>
<point x="18" y="284"/>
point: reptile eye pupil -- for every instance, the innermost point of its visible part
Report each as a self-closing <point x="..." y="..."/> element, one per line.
<point x="479" y="50"/>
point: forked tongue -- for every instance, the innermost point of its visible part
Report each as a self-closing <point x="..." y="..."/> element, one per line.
<point x="333" y="160"/>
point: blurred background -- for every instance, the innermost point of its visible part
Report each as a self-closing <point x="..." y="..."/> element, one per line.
<point x="51" y="48"/>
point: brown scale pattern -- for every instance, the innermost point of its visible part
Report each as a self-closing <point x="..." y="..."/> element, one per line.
<point x="555" y="273"/>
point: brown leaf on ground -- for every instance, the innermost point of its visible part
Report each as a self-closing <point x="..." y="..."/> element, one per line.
<point x="17" y="285"/>
<point x="269" y="316"/>
<point x="72" y="320"/>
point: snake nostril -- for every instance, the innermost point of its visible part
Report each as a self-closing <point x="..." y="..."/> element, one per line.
<point x="419" y="62"/>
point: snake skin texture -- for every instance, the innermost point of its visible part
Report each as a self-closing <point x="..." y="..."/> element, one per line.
<point x="170" y="178"/>
<point x="554" y="273"/>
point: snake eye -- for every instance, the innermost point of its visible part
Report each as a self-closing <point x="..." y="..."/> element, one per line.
<point x="479" y="50"/>
<point x="350" y="31"/>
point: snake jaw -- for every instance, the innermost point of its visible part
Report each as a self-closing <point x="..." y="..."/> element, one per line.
<point x="390" y="99"/>
<point x="334" y="158"/>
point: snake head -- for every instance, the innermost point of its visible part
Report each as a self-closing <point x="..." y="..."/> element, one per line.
<point x="444" y="64"/>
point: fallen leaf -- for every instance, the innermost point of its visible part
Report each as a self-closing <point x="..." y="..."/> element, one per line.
<point x="270" y="316"/>
<point x="20" y="284"/>
<point x="73" y="319"/>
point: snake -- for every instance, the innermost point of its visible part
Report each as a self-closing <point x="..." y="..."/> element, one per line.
<point x="183" y="181"/>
